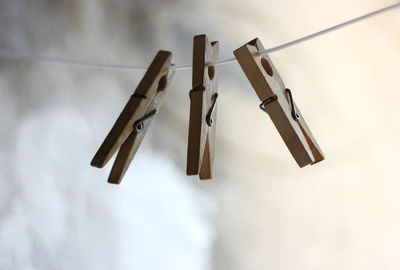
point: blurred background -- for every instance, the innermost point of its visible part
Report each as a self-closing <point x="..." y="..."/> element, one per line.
<point x="261" y="211"/>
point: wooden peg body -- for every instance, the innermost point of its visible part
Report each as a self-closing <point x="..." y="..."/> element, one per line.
<point x="203" y="103"/>
<point x="267" y="83"/>
<point x="147" y="97"/>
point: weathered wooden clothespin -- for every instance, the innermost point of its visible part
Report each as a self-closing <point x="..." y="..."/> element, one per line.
<point x="278" y="102"/>
<point x="203" y="109"/>
<point x="134" y="120"/>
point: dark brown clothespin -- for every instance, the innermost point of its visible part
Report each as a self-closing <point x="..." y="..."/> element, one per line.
<point x="134" y="121"/>
<point x="278" y="102"/>
<point x="203" y="109"/>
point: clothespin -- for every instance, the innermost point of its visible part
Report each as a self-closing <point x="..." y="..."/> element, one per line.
<point x="203" y="109"/>
<point x="278" y="102"/>
<point x="134" y="120"/>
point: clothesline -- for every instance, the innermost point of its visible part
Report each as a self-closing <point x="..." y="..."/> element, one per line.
<point x="52" y="59"/>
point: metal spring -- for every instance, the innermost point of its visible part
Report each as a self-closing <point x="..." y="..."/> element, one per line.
<point x="295" y="115"/>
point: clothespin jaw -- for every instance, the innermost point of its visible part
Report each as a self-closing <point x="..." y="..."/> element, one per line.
<point x="277" y="101"/>
<point x="203" y="109"/>
<point x="134" y="120"/>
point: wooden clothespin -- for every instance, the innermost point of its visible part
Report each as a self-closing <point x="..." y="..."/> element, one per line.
<point x="134" y="120"/>
<point x="203" y="109"/>
<point x="278" y="102"/>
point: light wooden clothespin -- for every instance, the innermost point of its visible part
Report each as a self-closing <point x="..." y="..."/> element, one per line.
<point x="203" y="109"/>
<point x="134" y="120"/>
<point x="278" y="102"/>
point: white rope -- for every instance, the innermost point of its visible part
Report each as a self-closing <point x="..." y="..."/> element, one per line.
<point x="315" y="35"/>
<point x="50" y="59"/>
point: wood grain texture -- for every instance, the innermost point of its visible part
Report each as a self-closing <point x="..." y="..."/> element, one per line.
<point x="147" y="96"/>
<point x="201" y="138"/>
<point x="267" y="83"/>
